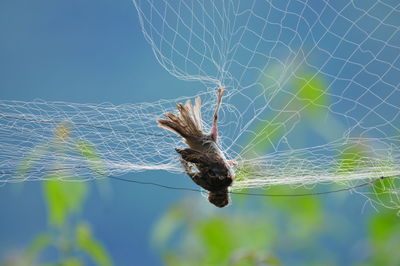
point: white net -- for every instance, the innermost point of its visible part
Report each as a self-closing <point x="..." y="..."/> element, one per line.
<point x="312" y="97"/>
<point x="40" y="138"/>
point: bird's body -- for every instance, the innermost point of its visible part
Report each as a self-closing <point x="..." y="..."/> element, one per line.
<point x="213" y="170"/>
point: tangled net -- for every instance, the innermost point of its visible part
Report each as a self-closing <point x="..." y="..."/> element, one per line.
<point x="312" y="98"/>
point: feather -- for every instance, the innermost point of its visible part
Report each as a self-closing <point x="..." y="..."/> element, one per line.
<point x="197" y="113"/>
<point x="213" y="171"/>
<point x="184" y="124"/>
<point x="166" y="124"/>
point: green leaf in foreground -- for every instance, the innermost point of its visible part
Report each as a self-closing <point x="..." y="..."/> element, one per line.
<point x="63" y="198"/>
<point x="89" y="152"/>
<point x="38" y="245"/>
<point x="217" y="239"/>
<point x="29" y="160"/>
<point x="350" y="158"/>
<point x="384" y="234"/>
<point x="311" y="92"/>
<point x="91" y="246"/>
<point x="167" y="225"/>
<point x="267" y="134"/>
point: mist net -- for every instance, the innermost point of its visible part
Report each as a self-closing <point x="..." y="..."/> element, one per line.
<point x="312" y="97"/>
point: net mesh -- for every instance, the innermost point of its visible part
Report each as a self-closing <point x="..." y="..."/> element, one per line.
<point x="312" y="97"/>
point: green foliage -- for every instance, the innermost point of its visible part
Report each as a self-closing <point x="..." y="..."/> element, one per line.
<point x="214" y="234"/>
<point x="63" y="198"/>
<point x="57" y="146"/>
<point x="384" y="237"/>
<point x="253" y="258"/>
<point x="88" y="151"/>
<point x="266" y="134"/>
<point x="30" y="159"/>
<point x="167" y="225"/>
<point x="211" y="239"/>
<point x="306" y="211"/>
<point x="38" y="245"/>
<point x="311" y="101"/>
<point x="311" y="92"/>
<point x="91" y="246"/>
<point x="72" y="262"/>
<point x="350" y="158"/>
<point x="256" y="231"/>
<point x="384" y="226"/>
<point x="244" y="171"/>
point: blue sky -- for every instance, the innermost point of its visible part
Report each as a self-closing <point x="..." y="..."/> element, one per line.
<point x="86" y="52"/>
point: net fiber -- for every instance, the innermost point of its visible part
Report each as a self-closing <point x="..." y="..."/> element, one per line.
<point x="312" y="97"/>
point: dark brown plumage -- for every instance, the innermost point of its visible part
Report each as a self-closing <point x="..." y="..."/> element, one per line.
<point x="213" y="170"/>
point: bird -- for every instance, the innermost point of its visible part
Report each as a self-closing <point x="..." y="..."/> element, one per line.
<point x="213" y="172"/>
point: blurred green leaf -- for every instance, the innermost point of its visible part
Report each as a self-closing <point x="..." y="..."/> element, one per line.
<point x="89" y="152"/>
<point x="72" y="262"/>
<point x="66" y="262"/>
<point x="307" y="211"/>
<point x="38" y="245"/>
<point x="63" y="197"/>
<point x="31" y="158"/>
<point x="212" y="239"/>
<point x="91" y="246"/>
<point x="250" y="233"/>
<point x="272" y="78"/>
<point x="246" y="171"/>
<point x="350" y="158"/>
<point x="267" y="134"/>
<point x="384" y="189"/>
<point x="217" y="238"/>
<point x="242" y="173"/>
<point x="167" y="225"/>
<point x="382" y="226"/>
<point x="251" y="258"/>
<point x="311" y="91"/>
<point x="308" y="214"/>
<point x="384" y="232"/>
<point x="173" y="259"/>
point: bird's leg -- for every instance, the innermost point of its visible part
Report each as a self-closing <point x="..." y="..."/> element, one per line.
<point x="195" y="176"/>
<point x="186" y="155"/>
<point x="187" y="167"/>
<point x="193" y="156"/>
<point x="231" y="163"/>
<point x="214" y="129"/>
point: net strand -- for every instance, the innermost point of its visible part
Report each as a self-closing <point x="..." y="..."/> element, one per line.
<point x="318" y="193"/>
<point x="312" y="97"/>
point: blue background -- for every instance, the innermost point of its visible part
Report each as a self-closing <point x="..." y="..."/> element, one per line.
<point x="84" y="52"/>
<point x="94" y="52"/>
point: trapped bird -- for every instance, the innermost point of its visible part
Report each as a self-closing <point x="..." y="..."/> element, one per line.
<point x="213" y="172"/>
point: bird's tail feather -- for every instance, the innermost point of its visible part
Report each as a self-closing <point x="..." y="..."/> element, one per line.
<point x="187" y="123"/>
